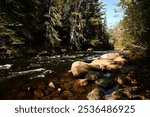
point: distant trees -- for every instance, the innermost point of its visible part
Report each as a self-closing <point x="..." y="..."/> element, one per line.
<point x="59" y="23"/>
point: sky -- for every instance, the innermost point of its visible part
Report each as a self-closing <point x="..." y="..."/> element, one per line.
<point x="112" y="17"/>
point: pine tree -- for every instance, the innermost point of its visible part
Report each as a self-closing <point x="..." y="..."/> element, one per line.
<point x="137" y="24"/>
<point x="52" y="22"/>
<point x="76" y="24"/>
<point x="94" y="27"/>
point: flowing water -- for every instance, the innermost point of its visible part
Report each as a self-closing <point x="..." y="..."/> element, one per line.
<point x="16" y="72"/>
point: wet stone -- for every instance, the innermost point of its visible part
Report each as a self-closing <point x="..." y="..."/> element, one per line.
<point x="123" y="80"/>
<point x="131" y="92"/>
<point x="42" y="86"/>
<point x="38" y="93"/>
<point x="105" y="82"/>
<point x="47" y="92"/>
<point x="78" y="88"/>
<point x="67" y="95"/>
<point x="116" y="95"/>
<point x="59" y="90"/>
<point x="68" y="85"/>
<point x="93" y="75"/>
<point x="96" y="94"/>
<point x="82" y="82"/>
<point x="107" y="75"/>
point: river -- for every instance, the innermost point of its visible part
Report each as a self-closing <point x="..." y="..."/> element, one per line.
<point x="18" y="72"/>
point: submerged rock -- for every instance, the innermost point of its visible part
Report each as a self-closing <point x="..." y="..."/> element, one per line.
<point x="42" y="86"/>
<point x="93" y="75"/>
<point x="105" y="82"/>
<point x="96" y="94"/>
<point x="38" y="93"/>
<point x="107" y="75"/>
<point x="116" y="95"/>
<point x="67" y="95"/>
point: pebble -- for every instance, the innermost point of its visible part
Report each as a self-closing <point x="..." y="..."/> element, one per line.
<point x="51" y="84"/>
<point x="59" y="90"/>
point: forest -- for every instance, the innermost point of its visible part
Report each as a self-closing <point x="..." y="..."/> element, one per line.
<point x="62" y="49"/>
<point x="28" y="27"/>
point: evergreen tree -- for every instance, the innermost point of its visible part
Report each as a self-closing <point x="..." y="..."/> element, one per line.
<point x="94" y="27"/>
<point x="76" y="24"/>
<point x="137" y="24"/>
<point x="52" y="22"/>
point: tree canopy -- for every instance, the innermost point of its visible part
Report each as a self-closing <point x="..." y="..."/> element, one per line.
<point x="50" y="24"/>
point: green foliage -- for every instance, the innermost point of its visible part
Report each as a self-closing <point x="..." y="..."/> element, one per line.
<point x="136" y="25"/>
<point x="52" y="24"/>
<point x="53" y="20"/>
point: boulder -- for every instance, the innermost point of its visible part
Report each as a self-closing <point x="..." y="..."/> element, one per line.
<point x="106" y="64"/>
<point x="109" y="56"/>
<point x="80" y="68"/>
<point x="101" y="63"/>
<point x="113" y="66"/>
<point x="120" y="60"/>
<point x="96" y="94"/>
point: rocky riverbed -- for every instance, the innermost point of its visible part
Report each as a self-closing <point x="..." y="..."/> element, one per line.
<point x="98" y="76"/>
